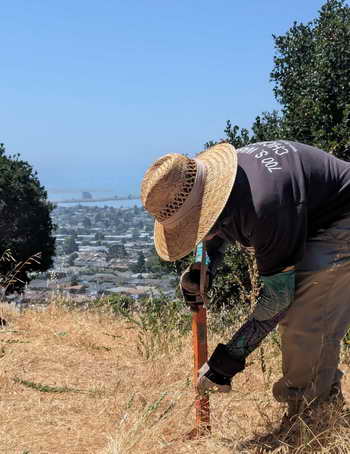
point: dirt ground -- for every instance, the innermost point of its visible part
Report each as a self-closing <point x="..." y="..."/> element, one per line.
<point x="81" y="383"/>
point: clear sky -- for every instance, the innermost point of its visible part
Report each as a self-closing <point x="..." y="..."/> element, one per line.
<point x="92" y="92"/>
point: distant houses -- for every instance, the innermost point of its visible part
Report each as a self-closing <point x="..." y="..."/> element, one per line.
<point x="97" y="251"/>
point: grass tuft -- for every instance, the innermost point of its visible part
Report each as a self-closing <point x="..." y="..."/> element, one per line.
<point x="46" y="388"/>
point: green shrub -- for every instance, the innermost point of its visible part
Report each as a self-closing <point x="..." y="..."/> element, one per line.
<point x="161" y="322"/>
<point x="237" y="280"/>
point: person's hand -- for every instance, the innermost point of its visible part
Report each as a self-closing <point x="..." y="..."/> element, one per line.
<point x="210" y="381"/>
<point x="190" y="285"/>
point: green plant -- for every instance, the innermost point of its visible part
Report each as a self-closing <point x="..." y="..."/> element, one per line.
<point x="160" y="323"/>
<point x="120" y="303"/>
<point x="9" y="280"/>
<point x="346" y="348"/>
<point x="25" y="223"/>
<point x="225" y="319"/>
<point x="237" y="280"/>
<point x="45" y="388"/>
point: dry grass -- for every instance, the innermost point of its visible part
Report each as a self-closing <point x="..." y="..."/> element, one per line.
<point x="74" y="382"/>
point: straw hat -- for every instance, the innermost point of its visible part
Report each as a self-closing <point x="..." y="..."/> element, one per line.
<point x="186" y="196"/>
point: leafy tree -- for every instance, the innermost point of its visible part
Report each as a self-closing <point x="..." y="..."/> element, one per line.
<point x="135" y="234"/>
<point x="312" y="79"/>
<point x="99" y="236"/>
<point x="117" y="251"/>
<point x="98" y="217"/>
<point x="25" y="221"/>
<point x="72" y="257"/>
<point x="141" y="263"/>
<point x="234" y="135"/>
<point x="70" y="245"/>
<point x="87" y="223"/>
<point x="153" y="265"/>
<point x="268" y="126"/>
<point x="311" y="75"/>
<point x="140" y="266"/>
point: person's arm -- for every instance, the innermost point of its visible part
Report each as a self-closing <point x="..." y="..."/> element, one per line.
<point x="279" y="240"/>
<point x="277" y="295"/>
<point x="216" y="251"/>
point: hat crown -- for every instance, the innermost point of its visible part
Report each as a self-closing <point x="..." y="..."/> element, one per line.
<point x="167" y="185"/>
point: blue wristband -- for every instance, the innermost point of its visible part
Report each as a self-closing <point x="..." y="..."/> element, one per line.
<point x="199" y="253"/>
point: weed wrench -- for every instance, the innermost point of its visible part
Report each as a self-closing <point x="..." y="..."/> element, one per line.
<point x="200" y="345"/>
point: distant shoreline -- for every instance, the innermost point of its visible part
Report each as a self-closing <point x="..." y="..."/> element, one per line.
<point x="126" y="203"/>
<point x="102" y="199"/>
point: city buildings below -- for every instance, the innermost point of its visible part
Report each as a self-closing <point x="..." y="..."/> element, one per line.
<point x="102" y="251"/>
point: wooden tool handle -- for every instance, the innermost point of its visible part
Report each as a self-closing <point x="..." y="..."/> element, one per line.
<point x="200" y="349"/>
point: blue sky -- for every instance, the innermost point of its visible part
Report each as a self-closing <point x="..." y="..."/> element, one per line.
<point x="92" y="92"/>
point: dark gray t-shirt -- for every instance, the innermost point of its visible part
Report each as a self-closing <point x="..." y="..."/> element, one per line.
<point x="284" y="193"/>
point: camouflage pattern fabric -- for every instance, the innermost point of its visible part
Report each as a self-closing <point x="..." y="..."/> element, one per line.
<point x="276" y="297"/>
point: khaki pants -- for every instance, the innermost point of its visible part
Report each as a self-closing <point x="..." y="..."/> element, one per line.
<point x="317" y="320"/>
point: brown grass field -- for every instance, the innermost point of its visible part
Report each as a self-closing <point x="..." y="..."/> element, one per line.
<point x="75" y="382"/>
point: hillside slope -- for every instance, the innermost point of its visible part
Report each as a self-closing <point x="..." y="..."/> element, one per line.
<point x="84" y="382"/>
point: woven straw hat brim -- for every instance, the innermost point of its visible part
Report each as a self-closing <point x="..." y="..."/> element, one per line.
<point x="176" y="242"/>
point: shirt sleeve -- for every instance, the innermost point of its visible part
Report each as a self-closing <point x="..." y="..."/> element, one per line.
<point x="216" y="250"/>
<point x="276" y="297"/>
<point x="279" y="239"/>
